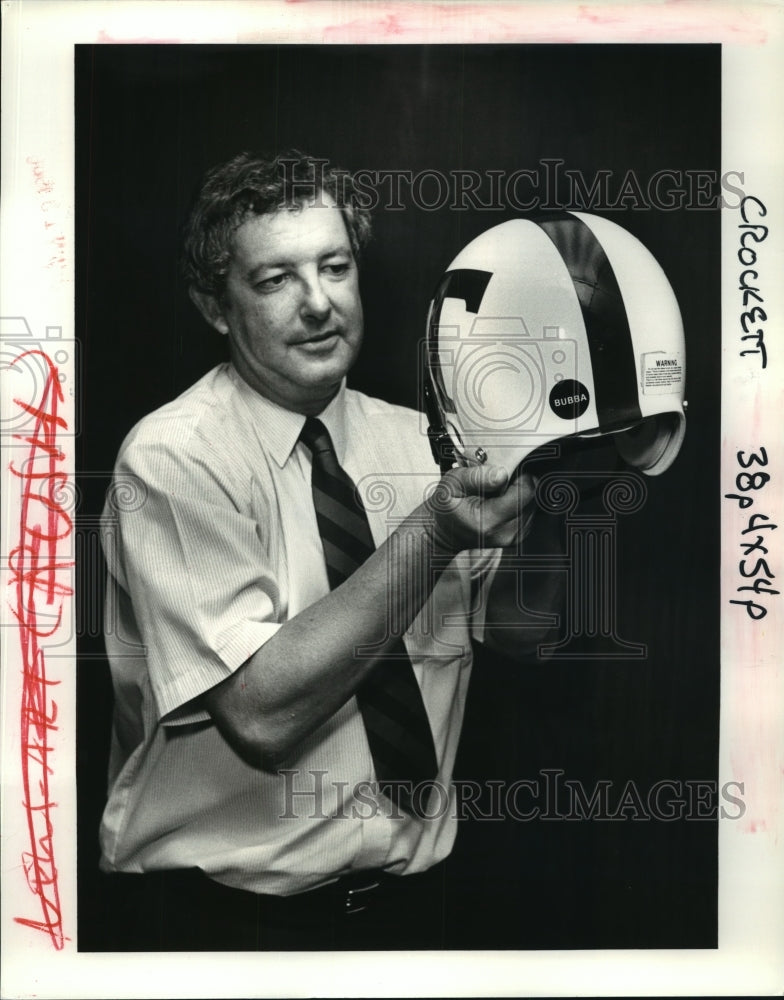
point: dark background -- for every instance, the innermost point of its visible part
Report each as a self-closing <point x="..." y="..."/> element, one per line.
<point x="150" y="121"/>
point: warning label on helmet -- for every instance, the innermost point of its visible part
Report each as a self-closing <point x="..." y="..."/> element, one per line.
<point x="661" y="373"/>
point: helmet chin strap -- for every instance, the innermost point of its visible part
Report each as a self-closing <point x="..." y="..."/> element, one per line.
<point x="441" y="444"/>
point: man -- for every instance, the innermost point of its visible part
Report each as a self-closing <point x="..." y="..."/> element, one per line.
<point x="250" y="805"/>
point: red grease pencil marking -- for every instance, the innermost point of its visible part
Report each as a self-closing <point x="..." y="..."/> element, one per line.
<point x="35" y="564"/>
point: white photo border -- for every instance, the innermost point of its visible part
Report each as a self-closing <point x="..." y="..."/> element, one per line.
<point x="38" y="285"/>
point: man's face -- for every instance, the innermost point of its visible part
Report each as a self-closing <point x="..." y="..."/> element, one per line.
<point x="291" y="308"/>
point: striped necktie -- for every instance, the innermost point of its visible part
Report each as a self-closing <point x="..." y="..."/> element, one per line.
<point x="389" y="699"/>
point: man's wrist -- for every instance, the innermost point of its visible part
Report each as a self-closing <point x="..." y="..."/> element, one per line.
<point x="439" y="539"/>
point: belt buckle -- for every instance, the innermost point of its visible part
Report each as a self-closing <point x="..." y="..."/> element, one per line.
<point x="357" y="899"/>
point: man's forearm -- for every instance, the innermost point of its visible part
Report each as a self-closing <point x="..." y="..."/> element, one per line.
<point x="309" y="668"/>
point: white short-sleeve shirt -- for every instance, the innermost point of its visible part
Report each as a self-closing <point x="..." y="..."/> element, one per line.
<point x="212" y="544"/>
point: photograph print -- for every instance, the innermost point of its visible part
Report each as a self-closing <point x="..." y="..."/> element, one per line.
<point x="401" y="386"/>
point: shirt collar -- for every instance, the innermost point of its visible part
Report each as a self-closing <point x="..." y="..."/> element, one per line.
<point x="278" y="429"/>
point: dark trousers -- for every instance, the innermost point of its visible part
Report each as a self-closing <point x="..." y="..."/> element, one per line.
<point x="184" y="910"/>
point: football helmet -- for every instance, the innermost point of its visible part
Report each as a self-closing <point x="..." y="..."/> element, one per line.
<point x="551" y="327"/>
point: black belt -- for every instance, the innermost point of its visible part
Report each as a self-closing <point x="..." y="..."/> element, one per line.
<point x="184" y="909"/>
<point x="350" y="894"/>
<point x="354" y="893"/>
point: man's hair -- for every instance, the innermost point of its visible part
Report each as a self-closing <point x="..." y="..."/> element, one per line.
<point x="251" y="185"/>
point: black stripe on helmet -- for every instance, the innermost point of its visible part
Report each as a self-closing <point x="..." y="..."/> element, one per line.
<point x="604" y="314"/>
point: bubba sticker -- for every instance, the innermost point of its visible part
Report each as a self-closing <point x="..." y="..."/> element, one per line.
<point x="569" y="399"/>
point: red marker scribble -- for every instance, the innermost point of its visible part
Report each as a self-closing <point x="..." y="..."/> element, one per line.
<point x="35" y="565"/>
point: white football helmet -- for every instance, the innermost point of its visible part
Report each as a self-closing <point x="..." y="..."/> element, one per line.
<point x="552" y="327"/>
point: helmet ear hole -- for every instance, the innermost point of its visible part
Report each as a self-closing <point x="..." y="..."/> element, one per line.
<point x="652" y="445"/>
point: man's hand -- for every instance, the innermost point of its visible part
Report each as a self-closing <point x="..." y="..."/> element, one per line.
<point x="477" y="507"/>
